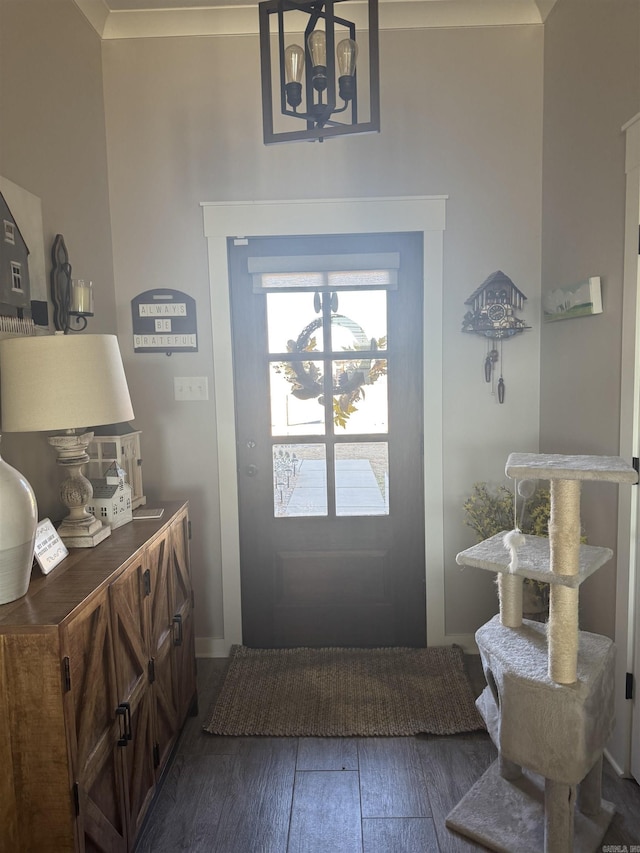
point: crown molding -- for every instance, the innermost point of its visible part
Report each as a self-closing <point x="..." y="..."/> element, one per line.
<point x="123" y="23"/>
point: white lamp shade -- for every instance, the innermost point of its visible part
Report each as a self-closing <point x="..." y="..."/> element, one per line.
<point x="60" y="382"/>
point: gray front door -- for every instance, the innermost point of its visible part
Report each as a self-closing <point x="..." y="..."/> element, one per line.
<point x="327" y="351"/>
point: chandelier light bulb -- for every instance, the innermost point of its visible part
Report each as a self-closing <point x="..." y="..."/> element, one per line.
<point x="347" y="53"/>
<point x="294" y="63"/>
<point x="293" y="69"/>
<point x="317" y="43"/>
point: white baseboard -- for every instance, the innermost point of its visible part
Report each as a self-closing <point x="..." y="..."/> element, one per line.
<point x="218" y="647"/>
<point x="619" y="770"/>
<point x="212" y="647"/>
<point x="467" y="641"/>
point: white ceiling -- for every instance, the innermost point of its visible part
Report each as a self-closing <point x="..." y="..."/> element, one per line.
<point x="117" y="19"/>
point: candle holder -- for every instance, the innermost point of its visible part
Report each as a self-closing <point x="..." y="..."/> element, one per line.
<point x="81" y="298"/>
<point x="72" y="297"/>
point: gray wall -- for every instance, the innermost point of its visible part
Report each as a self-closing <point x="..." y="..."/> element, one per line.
<point x="461" y="115"/>
<point x="53" y="144"/>
<point x="591" y="88"/>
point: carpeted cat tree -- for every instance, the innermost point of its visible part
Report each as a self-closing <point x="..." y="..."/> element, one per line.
<point x="548" y="704"/>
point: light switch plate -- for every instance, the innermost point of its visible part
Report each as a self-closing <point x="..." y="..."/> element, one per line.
<point x="191" y="387"/>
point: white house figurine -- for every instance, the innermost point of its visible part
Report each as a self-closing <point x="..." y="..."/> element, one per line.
<point x="111" y="502"/>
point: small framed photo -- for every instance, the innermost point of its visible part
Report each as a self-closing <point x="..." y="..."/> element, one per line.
<point x="49" y="547"/>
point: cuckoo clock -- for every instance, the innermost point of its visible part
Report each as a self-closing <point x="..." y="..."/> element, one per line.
<point x="492" y="313"/>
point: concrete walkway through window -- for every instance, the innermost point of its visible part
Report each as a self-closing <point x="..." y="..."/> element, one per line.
<point x="357" y="490"/>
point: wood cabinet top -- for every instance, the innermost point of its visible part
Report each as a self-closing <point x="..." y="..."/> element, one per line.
<point x="51" y="598"/>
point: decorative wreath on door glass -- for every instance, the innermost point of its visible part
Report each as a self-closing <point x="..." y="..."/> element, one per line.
<point x="348" y="387"/>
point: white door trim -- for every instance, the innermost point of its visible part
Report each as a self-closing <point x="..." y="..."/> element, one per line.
<point x="625" y="756"/>
<point x="327" y="216"/>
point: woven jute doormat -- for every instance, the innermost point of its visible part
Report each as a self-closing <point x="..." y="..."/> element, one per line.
<point x="342" y="692"/>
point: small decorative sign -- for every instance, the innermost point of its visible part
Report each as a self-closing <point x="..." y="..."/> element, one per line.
<point x="578" y="300"/>
<point x="49" y="547"/>
<point x="164" y="321"/>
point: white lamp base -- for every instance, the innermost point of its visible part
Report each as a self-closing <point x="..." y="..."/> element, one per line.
<point x="80" y="529"/>
<point x="77" y="535"/>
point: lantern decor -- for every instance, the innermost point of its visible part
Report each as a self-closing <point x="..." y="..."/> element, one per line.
<point x="120" y="444"/>
<point x="337" y="60"/>
<point x="492" y="314"/>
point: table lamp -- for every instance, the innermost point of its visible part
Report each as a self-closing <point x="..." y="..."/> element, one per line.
<point x="65" y="383"/>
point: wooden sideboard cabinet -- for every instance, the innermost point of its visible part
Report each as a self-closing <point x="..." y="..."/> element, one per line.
<point x="98" y="674"/>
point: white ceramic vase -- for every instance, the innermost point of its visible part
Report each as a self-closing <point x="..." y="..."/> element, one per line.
<point x="18" y="521"/>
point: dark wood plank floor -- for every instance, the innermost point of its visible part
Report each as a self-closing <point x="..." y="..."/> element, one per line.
<point x="328" y="795"/>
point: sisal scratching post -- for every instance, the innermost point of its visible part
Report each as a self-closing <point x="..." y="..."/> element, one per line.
<point x="563" y="634"/>
<point x="564" y="538"/>
<point x="510" y="592"/>
<point x="564" y="527"/>
<point x="510" y="585"/>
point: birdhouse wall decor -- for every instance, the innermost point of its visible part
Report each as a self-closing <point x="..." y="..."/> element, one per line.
<point x="492" y="314"/>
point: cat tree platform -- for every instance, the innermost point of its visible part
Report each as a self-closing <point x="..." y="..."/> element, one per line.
<point x="548" y="704"/>
<point x="509" y="815"/>
<point x="533" y="559"/>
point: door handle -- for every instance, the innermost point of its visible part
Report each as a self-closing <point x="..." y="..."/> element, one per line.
<point x="177" y="634"/>
<point x="123" y="712"/>
<point x="251" y="470"/>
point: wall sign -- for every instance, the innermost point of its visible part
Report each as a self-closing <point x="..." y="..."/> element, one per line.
<point x="164" y="321"/>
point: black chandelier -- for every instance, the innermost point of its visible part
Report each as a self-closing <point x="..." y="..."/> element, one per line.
<point x="333" y="93"/>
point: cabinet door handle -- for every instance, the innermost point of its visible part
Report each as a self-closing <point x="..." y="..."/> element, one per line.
<point x="123" y="712"/>
<point x="127" y="708"/>
<point x="177" y="630"/>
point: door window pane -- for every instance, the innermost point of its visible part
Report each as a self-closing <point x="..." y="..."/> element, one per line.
<point x="359" y="320"/>
<point x="293" y="322"/>
<point x="296" y="395"/>
<point x="362" y="478"/>
<point x="360" y="395"/>
<point x="299" y="480"/>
